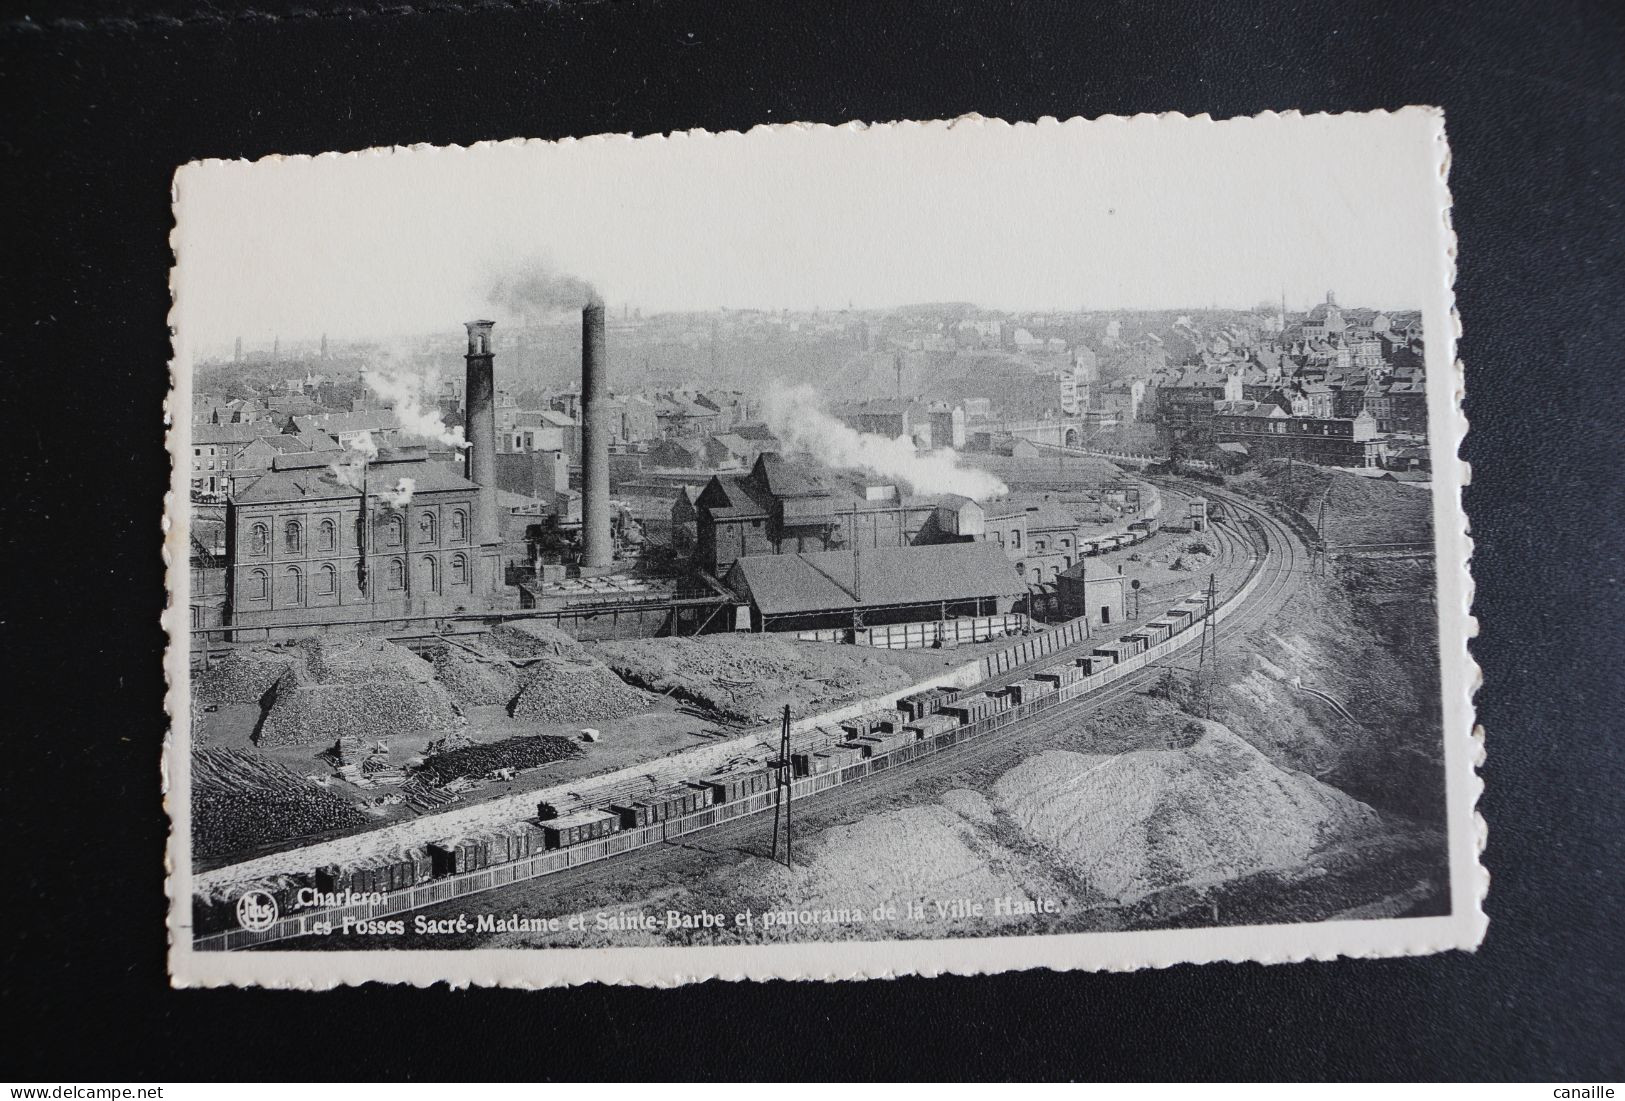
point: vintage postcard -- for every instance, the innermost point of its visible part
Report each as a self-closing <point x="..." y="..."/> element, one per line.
<point x="820" y="553"/>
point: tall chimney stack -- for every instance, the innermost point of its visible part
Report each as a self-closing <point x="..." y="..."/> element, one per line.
<point x="598" y="552"/>
<point x="480" y="429"/>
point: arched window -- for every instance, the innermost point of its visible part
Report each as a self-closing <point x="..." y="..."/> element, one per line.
<point x="1039" y="546"/>
<point x="293" y="586"/>
<point x="327" y="581"/>
<point x="293" y="536"/>
<point x="328" y="536"/>
<point x="459" y="526"/>
<point x="394" y="531"/>
<point x="397" y="574"/>
<point x="260" y="542"/>
<point x="459" y="571"/>
<point x="428" y="527"/>
<point x="430" y="574"/>
<point x="258" y="585"/>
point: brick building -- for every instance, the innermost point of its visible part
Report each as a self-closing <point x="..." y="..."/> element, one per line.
<point x="296" y="543"/>
<point x="778" y="507"/>
<point x="1270" y="432"/>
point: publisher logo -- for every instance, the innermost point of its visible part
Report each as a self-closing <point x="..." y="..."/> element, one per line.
<point x="256" y="911"/>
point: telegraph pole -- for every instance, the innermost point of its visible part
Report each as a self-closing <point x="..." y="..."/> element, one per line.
<point x="1207" y="659"/>
<point x="1317" y="564"/>
<point x="783" y="793"/>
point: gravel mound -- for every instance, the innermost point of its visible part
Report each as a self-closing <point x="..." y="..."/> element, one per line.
<point x="526" y="638"/>
<point x="472" y="681"/>
<point x="1140" y="822"/>
<point x="750" y="679"/>
<point x="922" y="854"/>
<point x="363" y="688"/>
<point x="557" y="690"/>
<point x="241" y="801"/>
<point x="243" y="676"/>
<point x="514" y="753"/>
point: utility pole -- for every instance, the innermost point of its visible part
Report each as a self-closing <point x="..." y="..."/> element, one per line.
<point x="1317" y="554"/>
<point x="1207" y="659"/>
<point x="782" y="793"/>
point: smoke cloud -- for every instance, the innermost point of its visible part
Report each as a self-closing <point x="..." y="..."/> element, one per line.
<point x="400" y="496"/>
<point x="351" y="468"/>
<point x="536" y="291"/>
<point x="413" y="397"/>
<point x="794" y="416"/>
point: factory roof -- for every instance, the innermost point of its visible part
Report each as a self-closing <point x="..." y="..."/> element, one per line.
<point x="732" y="496"/>
<point x="313" y="478"/>
<point x="785" y="479"/>
<point x="1043" y="514"/>
<point x="786" y="584"/>
<point x="215" y="434"/>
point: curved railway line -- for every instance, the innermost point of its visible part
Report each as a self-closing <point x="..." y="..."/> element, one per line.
<point x="1266" y="544"/>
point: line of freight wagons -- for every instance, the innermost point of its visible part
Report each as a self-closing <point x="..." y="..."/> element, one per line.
<point x="934" y="715"/>
<point x="1138" y="532"/>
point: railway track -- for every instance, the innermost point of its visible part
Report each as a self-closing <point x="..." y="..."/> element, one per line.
<point x="1268" y="544"/>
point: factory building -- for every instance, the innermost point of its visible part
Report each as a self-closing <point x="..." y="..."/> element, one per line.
<point x="907" y="584"/>
<point x="305" y="547"/>
<point x="302" y="549"/>
<point x="780" y="507"/>
<point x="1271" y="432"/>
<point x="1092" y="592"/>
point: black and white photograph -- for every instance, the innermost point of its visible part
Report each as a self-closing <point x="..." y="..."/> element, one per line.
<point x="820" y="552"/>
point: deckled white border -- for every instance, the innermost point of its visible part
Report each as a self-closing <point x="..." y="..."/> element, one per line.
<point x="1460" y="676"/>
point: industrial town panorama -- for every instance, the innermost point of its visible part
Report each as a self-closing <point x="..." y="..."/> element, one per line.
<point x="596" y="626"/>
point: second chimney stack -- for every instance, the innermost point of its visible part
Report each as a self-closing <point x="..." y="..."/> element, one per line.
<point x="598" y="549"/>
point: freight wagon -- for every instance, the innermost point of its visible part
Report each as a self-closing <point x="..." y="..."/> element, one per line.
<point x="1149" y="635"/>
<point x="663" y="806"/>
<point x="733" y="786"/>
<point x="1026" y="691"/>
<point x="1136" y="643"/>
<point x="877" y="745"/>
<point x="974" y="708"/>
<point x="573" y="829"/>
<point x="832" y="759"/>
<point x="1060" y="675"/>
<point x="924" y="703"/>
<point x="1095" y="663"/>
<point x="1115" y="652"/>
<point x="929" y="726"/>
<point x="458" y="855"/>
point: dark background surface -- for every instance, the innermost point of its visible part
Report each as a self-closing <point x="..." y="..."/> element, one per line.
<point x="102" y="103"/>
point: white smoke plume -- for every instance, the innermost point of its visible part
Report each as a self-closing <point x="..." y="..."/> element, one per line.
<point x="794" y="416"/>
<point x="351" y="468"/>
<point x="413" y="398"/>
<point x="400" y="496"/>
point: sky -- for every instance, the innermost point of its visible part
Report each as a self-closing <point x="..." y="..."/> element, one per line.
<point x="1150" y="212"/>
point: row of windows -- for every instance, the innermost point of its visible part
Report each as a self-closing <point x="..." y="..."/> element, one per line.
<point x="392" y="577"/>
<point x="327" y="533"/>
